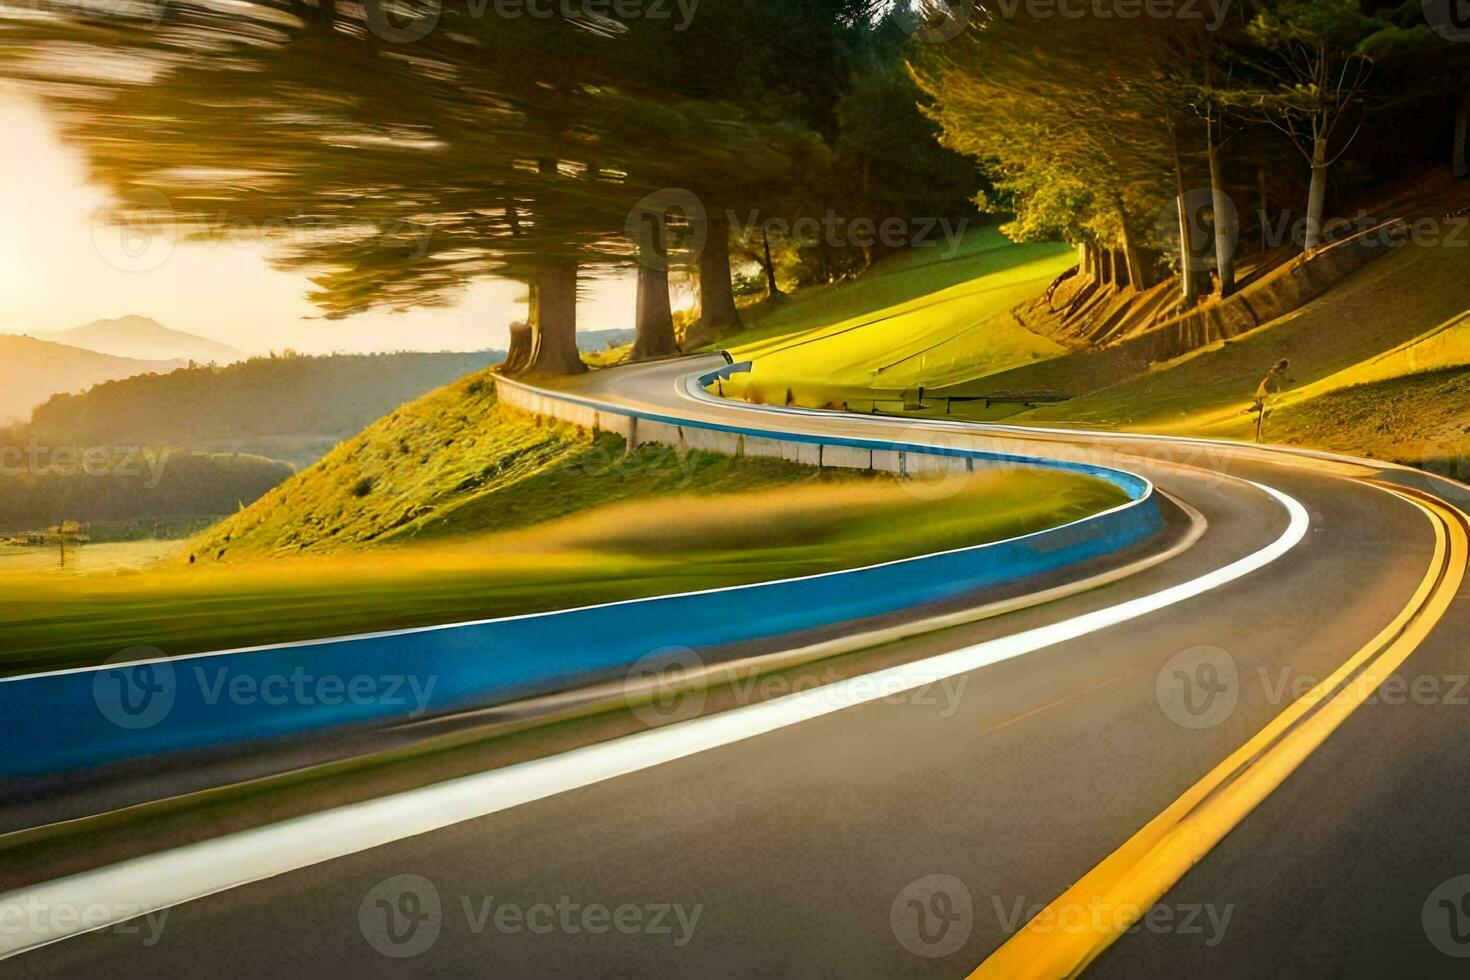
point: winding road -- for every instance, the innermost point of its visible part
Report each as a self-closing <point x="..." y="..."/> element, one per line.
<point x="1259" y="745"/>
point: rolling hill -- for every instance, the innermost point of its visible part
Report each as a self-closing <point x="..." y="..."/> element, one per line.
<point x="32" y="370"/>
<point x="909" y="320"/>
<point x="292" y="408"/>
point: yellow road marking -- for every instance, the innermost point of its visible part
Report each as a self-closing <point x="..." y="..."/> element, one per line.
<point x="1135" y="876"/>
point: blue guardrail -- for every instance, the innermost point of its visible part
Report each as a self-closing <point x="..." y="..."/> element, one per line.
<point x="92" y="717"/>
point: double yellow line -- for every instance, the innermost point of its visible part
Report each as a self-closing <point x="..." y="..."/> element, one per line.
<point x="1135" y="876"/>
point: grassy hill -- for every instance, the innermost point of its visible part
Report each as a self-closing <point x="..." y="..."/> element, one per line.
<point x="1378" y="363"/>
<point x="32" y="370"/>
<point x="454" y="507"/>
<point x="292" y="408"/>
<point x="911" y="319"/>
<point x="455" y="462"/>
<point x="1418" y="418"/>
<point x="1383" y="306"/>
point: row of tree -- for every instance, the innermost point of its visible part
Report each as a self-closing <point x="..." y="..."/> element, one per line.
<point x="1094" y="125"/>
<point x="393" y="165"/>
<point x="393" y="153"/>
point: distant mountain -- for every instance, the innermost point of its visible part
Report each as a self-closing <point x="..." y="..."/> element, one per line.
<point x="144" y="338"/>
<point x="32" y="370"/>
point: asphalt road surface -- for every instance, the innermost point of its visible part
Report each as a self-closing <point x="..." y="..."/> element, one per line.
<point x="913" y="836"/>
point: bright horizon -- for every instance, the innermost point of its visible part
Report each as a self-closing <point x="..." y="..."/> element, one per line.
<point x="55" y="273"/>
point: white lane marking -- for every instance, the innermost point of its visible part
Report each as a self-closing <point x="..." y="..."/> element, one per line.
<point x="158" y="881"/>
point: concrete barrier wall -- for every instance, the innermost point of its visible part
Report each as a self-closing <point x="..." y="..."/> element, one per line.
<point x="905" y="458"/>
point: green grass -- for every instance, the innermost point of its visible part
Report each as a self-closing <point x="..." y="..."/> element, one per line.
<point x="1395" y="330"/>
<point x="1419" y="419"/>
<point x="912" y="319"/>
<point x="456" y="462"/>
<point x="641" y="547"/>
<point x="1391" y="301"/>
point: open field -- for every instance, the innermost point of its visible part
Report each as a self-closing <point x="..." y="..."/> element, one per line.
<point x="636" y="548"/>
<point x="86" y="559"/>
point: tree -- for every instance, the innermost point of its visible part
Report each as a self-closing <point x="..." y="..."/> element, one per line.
<point x="513" y="147"/>
<point x="1425" y="65"/>
<point x="1051" y="104"/>
<point x="1320" y="72"/>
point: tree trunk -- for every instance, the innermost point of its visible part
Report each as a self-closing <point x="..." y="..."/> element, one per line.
<point x="717" y="313"/>
<point x="1462" y="122"/>
<point x="1188" y="292"/>
<point x="519" y="354"/>
<point x="772" y="290"/>
<point x="654" y="327"/>
<point x="1225" y="228"/>
<point x="554" y="323"/>
<point x="1316" y="194"/>
<point x="1263" y="209"/>
<point x="1132" y="260"/>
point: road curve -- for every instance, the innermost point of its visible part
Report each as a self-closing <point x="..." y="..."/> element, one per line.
<point x="813" y="848"/>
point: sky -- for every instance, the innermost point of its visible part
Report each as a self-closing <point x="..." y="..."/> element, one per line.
<point x="61" y="268"/>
